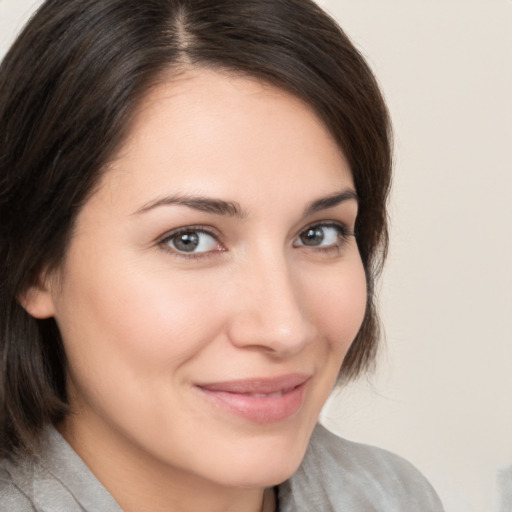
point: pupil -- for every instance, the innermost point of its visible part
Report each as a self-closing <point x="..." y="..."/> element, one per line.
<point x="313" y="236"/>
<point x="186" y="242"/>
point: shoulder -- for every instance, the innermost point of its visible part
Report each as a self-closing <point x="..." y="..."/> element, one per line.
<point x="364" y="462"/>
<point x="54" y="479"/>
<point x="337" y="474"/>
<point x="504" y="488"/>
<point x="11" y="496"/>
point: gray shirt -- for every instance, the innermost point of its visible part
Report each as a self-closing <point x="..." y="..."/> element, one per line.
<point x="505" y="489"/>
<point x="335" y="476"/>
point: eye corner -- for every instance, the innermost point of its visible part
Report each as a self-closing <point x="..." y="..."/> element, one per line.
<point x="324" y="236"/>
<point x="196" y="242"/>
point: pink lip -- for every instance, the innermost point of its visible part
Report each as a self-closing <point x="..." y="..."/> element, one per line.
<point x="260" y="400"/>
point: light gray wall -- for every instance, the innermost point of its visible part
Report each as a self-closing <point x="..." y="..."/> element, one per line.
<point x="13" y="14"/>
<point x="442" y="395"/>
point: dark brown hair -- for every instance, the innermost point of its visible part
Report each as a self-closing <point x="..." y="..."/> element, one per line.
<point x="68" y="88"/>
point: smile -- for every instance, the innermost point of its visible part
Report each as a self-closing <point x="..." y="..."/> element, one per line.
<point x="258" y="400"/>
<point x="265" y="395"/>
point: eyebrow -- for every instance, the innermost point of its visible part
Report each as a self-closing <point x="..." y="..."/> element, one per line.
<point x="233" y="209"/>
<point x="204" y="204"/>
<point x="331" y="201"/>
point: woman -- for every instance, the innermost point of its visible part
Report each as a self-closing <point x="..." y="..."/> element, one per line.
<point x="193" y="214"/>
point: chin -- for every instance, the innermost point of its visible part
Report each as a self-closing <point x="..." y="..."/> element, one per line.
<point x="260" y="468"/>
<point x="270" y="475"/>
<point x="274" y="473"/>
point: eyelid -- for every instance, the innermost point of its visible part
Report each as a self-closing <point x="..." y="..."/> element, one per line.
<point x="344" y="232"/>
<point x="163" y="241"/>
<point x="330" y="223"/>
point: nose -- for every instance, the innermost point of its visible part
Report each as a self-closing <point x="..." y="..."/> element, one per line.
<point x="271" y="312"/>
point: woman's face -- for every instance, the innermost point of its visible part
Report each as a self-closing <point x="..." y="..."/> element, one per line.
<point x="212" y="286"/>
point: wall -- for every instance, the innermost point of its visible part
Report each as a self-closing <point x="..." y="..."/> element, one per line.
<point x="442" y="394"/>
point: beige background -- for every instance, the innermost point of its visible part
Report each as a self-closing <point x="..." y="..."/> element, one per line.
<point x="442" y="395"/>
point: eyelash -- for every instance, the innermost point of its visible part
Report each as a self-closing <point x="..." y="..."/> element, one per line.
<point x="343" y="235"/>
<point x="165" y="241"/>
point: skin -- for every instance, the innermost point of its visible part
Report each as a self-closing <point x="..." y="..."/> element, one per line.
<point x="143" y="323"/>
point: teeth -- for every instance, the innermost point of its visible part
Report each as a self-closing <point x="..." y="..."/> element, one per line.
<point x="268" y="395"/>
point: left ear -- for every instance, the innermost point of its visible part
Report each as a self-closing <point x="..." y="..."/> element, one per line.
<point x="37" y="299"/>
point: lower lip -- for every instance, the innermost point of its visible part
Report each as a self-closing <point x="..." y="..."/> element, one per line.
<point x="259" y="409"/>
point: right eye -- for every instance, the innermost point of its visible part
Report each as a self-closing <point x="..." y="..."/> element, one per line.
<point x="191" y="241"/>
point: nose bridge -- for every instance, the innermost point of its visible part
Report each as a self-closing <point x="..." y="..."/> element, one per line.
<point x="272" y="312"/>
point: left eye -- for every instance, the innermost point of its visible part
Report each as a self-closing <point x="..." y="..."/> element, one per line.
<point x="192" y="241"/>
<point x="319" y="236"/>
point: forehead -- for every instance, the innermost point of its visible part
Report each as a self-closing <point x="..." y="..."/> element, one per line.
<point x="225" y="133"/>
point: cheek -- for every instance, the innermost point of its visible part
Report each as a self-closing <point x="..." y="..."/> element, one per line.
<point x="133" y="320"/>
<point x="338" y="307"/>
<point x="131" y="341"/>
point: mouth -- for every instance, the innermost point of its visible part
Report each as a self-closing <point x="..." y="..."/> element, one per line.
<point x="258" y="400"/>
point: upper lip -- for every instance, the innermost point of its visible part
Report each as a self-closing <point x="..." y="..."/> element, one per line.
<point x="262" y="385"/>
